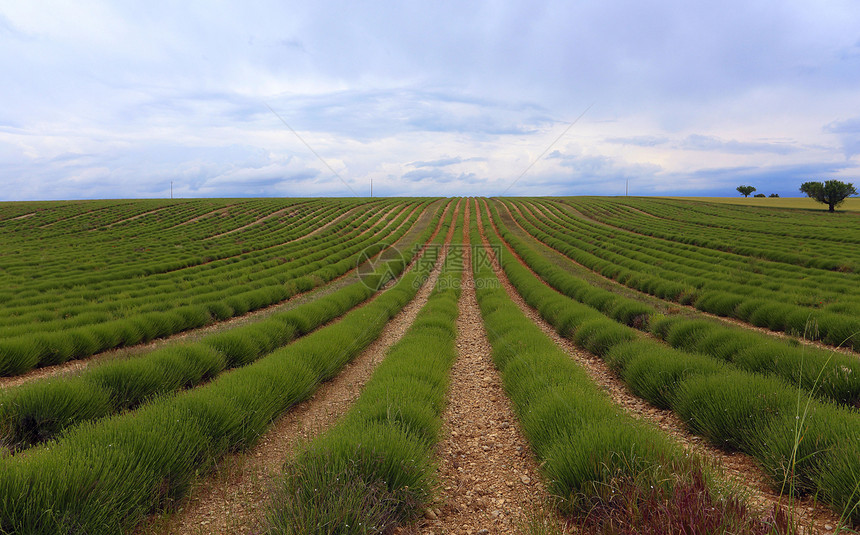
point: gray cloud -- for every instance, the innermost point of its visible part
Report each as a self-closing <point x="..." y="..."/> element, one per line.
<point x="847" y="126"/>
<point x="848" y="132"/>
<point x="708" y="143"/>
<point x="783" y="179"/>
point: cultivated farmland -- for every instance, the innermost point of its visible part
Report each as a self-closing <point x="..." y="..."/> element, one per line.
<point x="427" y="365"/>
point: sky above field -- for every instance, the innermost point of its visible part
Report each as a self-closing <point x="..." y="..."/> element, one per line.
<point x="118" y="99"/>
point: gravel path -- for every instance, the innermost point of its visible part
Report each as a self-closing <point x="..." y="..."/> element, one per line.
<point x="233" y="499"/>
<point x="739" y="468"/>
<point x="489" y="481"/>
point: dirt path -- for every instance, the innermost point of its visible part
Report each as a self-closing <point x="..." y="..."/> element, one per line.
<point x="223" y="211"/>
<point x="25" y="216"/>
<point x="233" y="499"/>
<point x="132" y="218"/>
<point x="84" y="213"/>
<point x="78" y="365"/>
<point x="489" y="481"/>
<point x="642" y="212"/>
<point x="737" y="467"/>
<point x="671" y="306"/>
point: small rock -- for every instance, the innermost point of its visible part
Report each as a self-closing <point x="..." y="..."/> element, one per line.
<point x="505" y="425"/>
<point x="828" y="527"/>
<point x="429" y="514"/>
<point x="483" y="532"/>
<point x="526" y="480"/>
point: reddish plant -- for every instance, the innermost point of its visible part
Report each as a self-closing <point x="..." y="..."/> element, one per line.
<point x="687" y="507"/>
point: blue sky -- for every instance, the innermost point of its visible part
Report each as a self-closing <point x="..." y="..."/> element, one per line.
<point x="118" y="99"/>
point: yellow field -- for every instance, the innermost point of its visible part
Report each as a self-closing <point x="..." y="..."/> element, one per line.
<point x="852" y="203"/>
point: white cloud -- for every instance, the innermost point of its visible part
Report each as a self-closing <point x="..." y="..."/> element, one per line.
<point x="104" y="99"/>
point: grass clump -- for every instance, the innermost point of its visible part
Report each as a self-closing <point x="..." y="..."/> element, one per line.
<point x="581" y="465"/>
<point x="654" y="371"/>
<point x="18" y="355"/>
<point x="730" y="408"/>
<point x="364" y="483"/>
<point x="825" y="374"/>
<point x="598" y="336"/>
<point x="46" y="409"/>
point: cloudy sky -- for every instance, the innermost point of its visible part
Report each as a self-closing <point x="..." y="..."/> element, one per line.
<point x="118" y="99"/>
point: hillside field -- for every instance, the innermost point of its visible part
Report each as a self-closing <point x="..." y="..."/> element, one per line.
<point x="539" y="365"/>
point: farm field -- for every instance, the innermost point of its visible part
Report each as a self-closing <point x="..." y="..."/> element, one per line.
<point x="850" y="204"/>
<point x="429" y="365"/>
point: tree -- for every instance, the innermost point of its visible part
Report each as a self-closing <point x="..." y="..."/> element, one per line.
<point x="759" y="195"/>
<point x="831" y="193"/>
<point x="774" y="195"/>
<point x="745" y="190"/>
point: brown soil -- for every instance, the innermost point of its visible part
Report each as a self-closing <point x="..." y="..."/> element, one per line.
<point x="488" y="479"/>
<point x="234" y="497"/>
<point x="78" y="365"/>
<point x="738" y="468"/>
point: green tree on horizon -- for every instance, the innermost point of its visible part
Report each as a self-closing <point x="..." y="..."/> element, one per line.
<point x="745" y="190"/>
<point x="831" y="193"/>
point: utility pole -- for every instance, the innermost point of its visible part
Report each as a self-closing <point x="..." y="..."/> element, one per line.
<point x="371" y="188"/>
<point x="171" y="189"/>
<point x="626" y="187"/>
